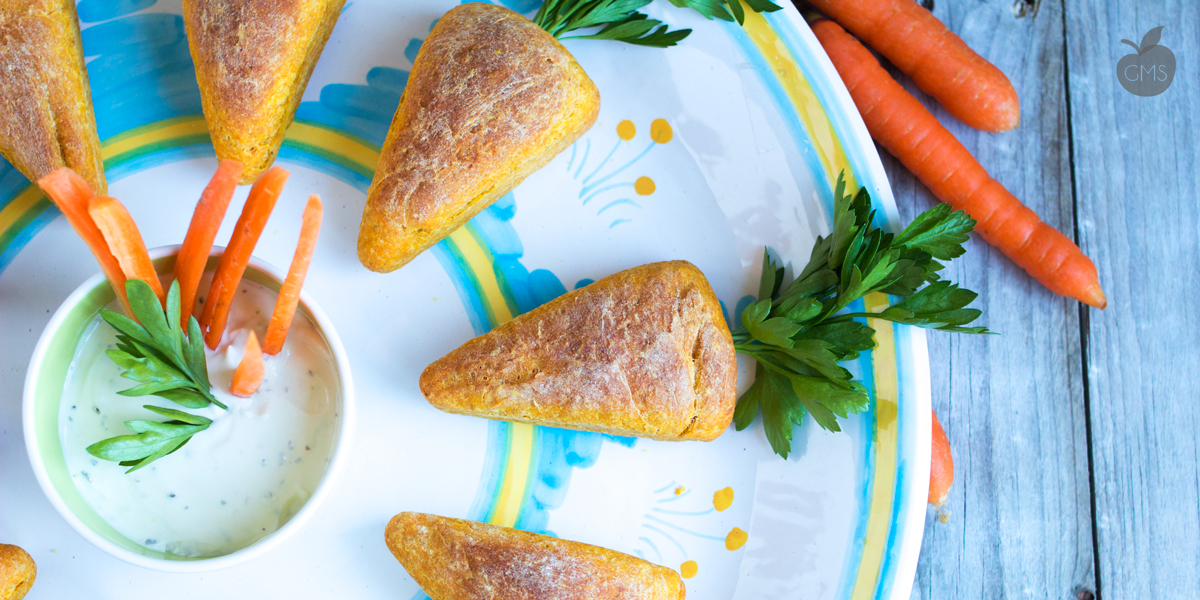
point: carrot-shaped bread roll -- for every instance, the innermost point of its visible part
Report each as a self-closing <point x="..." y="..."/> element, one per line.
<point x="253" y="60"/>
<point x="17" y="572"/>
<point x="491" y="98"/>
<point x="644" y="352"/>
<point x="453" y="559"/>
<point x="46" y="118"/>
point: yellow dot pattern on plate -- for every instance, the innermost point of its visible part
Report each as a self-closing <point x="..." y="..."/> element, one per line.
<point x="723" y="499"/>
<point x="660" y="131"/>
<point x="736" y="539"/>
<point x="688" y="569"/>
<point x="644" y="186"/>
<point x="626" y="130"/>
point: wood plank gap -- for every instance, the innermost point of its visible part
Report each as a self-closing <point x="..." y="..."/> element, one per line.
<point x="1083" y="319"/>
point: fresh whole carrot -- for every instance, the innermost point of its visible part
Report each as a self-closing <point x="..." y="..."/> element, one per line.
<point x="237" y="254"/>
<point x="250" y="372"/>
<point x="939" y="62"/>
<point x="124" y="241"/>
<point x="197" y="244"/>
<point x="941" y="467"/>
<point x="913" y="135"/>
<point x="289" y="293"/>
<point x="71" y="194"/>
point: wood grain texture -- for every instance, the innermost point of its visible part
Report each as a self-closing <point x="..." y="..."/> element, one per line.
<point x="1013" y="404"/>
<point x="1136" y="186"/>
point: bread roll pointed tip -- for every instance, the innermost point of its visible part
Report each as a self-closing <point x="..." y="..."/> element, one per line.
<point x="253" y="61"/>
<point x="47" y="120"/>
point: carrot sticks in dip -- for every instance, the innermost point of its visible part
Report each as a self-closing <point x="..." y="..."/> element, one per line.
<point x="237" y="254"/>
<point x="289" y="294"/>
<point x="206" y="220"/>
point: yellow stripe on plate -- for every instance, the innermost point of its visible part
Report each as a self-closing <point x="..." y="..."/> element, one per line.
<point x="804" y="100"/>
<point x="510" y="500"/>
<point x="15" y="209"/>
<point x="335" y="143"/>
<point x="153" y="133"/>
<point x="883" y="486"/>
<point x="480" y="264"/>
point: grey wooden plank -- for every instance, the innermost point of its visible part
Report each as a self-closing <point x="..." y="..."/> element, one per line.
<point x="1137" y="179"/>
<point x="1012" y="405"/>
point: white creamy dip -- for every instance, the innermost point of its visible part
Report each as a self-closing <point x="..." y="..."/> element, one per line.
<point x="234" y="483"/>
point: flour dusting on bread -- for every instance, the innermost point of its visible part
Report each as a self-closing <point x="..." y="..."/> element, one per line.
<point x="455" y="559"/>
<point x="644" y="352"/>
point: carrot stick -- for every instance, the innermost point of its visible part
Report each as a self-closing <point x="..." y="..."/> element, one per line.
<point x="70" y="193"/>
<point x="206" y="220"/>
<point x="912" y="134"/>
<point x="289" y="294"/>
<point x="237" y="255"/>
<point x="941" y="472"/>
<point x="250" y="372"/>
<point x="124" y="241"/>
<point x="940" y="63"/>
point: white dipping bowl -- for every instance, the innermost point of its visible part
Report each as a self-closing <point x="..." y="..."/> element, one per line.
<point x="43" y="393"/>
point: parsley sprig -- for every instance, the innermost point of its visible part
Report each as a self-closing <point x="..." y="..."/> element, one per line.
<point x="799" y="332"/>
<point x="154" y="352"/>
<point x="620" y="20"/>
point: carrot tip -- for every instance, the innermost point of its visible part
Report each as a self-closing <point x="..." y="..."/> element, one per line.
<point x="943" y="513"/>
<point x="1094" y="296"/>
<point x="250" y="371"/>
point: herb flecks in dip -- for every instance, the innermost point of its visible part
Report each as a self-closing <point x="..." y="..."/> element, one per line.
<point x="230" y="485"/>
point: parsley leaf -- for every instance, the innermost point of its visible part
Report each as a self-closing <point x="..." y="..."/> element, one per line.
<point x="621" y="21"/>
<point x="798" y="331"/>
<point x="639" y="30"/>
<point x="152" y="440"/>
<point x="938" y="306"/>
<point x="154" y="352"/>
<point x="940" y="231"/>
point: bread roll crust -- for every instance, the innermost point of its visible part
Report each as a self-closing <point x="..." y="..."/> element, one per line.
<point x="17" y="572"/>
<point x="491" y="98"/>
<point x="46" y="116"/>
<point x="643" y="352"/>
<point x="253" y="60"/>
<point x="454" y="559"/>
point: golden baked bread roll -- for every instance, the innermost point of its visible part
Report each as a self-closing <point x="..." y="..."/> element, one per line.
<point x="46" y="117"/>
<point x="644" y="352"/>
<point x="453" y="559"/>
<point x="491" y="98"/>
<point x="17" y="572"/>
<point x="253" y="60"/>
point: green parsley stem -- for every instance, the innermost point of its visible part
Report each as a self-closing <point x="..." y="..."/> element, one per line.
<point x="848" y="316"/>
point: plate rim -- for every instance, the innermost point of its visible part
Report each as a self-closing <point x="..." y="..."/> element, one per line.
<point x="915" y="489"/>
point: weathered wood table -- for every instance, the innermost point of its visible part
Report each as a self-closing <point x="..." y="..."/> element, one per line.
<point x="1075" y="431"/>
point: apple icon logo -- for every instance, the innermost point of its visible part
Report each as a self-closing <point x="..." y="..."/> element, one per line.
<point x="1151" y="70"/>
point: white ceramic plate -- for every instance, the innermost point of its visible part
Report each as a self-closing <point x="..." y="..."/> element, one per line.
<point x="705" y="152"/>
